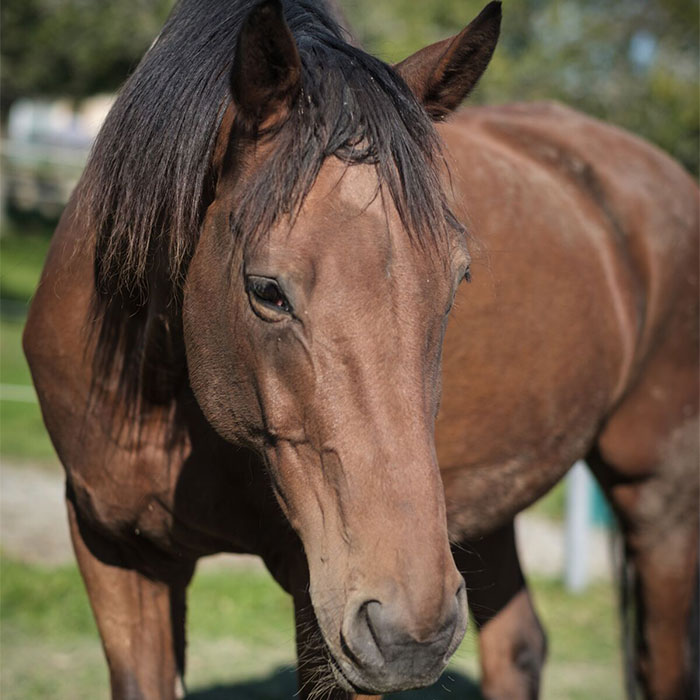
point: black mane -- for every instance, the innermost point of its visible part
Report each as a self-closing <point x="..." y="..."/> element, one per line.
<point x="150" y="176"/>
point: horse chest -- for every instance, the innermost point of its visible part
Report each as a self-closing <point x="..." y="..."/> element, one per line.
<point x="208" y="498"/>
<point x="124" y="501"/>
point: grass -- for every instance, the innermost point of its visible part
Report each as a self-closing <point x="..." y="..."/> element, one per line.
<point x="22" y="253"/>
<point x="236" y="617"/>
<point x="241" y="640"/>
<point x="553" y="504"/>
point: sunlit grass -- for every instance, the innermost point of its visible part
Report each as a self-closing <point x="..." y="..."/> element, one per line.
<point x="241" y="637"/>
<point x="22" y="433"/>
<point x="22" y="253"/>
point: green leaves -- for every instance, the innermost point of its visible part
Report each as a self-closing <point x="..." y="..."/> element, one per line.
<point x="73" y="48"/>
<point x="586" y="54"/>
<point x="630" y="63"/>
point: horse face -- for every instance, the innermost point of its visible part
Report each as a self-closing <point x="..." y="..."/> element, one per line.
<point x="320" y="346"/>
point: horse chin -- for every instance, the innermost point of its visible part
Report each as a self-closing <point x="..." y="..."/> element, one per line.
<point x="344" y="682"/>
<point x="347" y="679"/>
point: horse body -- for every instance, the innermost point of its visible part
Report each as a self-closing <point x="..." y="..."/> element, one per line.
<point x="578" y="337"/>
<point x="584" y="274"/>
<point x="577" y="327"/>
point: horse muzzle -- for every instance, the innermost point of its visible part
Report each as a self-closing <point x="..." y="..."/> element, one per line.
<point x="382" y="654"/>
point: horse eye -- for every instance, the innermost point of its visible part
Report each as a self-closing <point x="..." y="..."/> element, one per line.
<point x="267" y="291"/>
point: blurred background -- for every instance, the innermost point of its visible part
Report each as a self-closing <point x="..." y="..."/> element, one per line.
<point x="631" y="62"/>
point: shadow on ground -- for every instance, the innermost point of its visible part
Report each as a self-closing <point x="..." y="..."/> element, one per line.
<point x="281" y="685"/>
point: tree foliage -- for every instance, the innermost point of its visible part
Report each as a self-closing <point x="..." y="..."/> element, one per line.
<point x="631" y="62"/>
<point x="73" y="48"/>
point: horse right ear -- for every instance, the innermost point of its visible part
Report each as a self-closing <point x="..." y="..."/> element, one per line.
<point x="442" y="75"/>
<point x="266" y="74"/>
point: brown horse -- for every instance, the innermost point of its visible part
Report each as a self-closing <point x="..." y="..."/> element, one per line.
<point x="578" y="337"/>
<point x="236" y="344"/>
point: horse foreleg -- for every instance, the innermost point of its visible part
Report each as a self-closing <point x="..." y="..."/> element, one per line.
<point x="511" y="639"/>
<point x="140" y="620"/>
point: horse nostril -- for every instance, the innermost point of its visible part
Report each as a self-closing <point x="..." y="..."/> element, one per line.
<point x="372" y="635"/>
<point x="461" y="597"/>
<point x="359" y="639"/>
<point x="368" y="609"/>
<point x="456" y="623"/>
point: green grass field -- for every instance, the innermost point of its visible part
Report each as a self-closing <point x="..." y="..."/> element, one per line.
<point x="22" y="253"/>
<point x="241" y="640"/>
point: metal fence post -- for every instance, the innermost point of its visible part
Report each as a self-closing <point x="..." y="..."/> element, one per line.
<point x="579" y="487"/>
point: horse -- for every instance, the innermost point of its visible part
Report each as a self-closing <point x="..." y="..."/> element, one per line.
<point x="580" y="339"/>
<point x="238" y="336"/>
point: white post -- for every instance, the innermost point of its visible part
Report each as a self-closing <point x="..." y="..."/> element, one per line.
<point x="578" y="524"/>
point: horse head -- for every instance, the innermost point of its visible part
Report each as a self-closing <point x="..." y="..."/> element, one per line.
<point x="314" y="311"/>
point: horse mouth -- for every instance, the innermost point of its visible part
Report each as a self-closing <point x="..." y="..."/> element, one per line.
<point x="343" y="680"/>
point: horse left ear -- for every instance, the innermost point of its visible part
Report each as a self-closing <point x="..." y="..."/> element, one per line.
<point x="266" y="74"/>
<point x="442" y="75"/>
